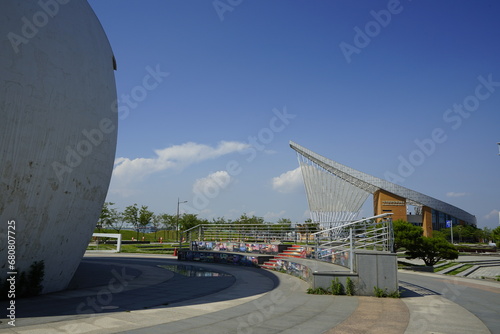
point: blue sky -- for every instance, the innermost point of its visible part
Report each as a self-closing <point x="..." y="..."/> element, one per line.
<point x="358" y="82"/>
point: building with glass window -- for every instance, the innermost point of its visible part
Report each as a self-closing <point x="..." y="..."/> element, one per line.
<point x="336" y="193"/>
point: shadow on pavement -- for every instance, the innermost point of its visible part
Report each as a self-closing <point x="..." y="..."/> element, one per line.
<point x="412" y="290"/>
<point x="117" y="284"/>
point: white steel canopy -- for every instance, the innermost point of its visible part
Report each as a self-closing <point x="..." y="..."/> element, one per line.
<point x="336" y="192"/>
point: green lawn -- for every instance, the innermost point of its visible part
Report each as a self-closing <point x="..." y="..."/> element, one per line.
<point x="450" y="264"/>
<point x="101" y="247"/>
<point x="139" y="248"/>
<point x="169" y="242"/>
<point x="168" y="236"/>
<point x="459" y="270"/>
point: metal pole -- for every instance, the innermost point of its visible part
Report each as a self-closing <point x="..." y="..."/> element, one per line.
<point x="178" y="227"/>
<point x="316" y="253"/>
<point x="351" y="255"/>
<point x="177" y="223"/>
<point x="451" y="225"/>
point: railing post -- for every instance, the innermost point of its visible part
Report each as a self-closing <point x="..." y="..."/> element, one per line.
<point x="351" y="250"/>
<point x="391" y="236"/>
<point x="316" y="253"/>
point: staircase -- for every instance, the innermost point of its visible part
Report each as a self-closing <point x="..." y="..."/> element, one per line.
<point x="291" y="252"/>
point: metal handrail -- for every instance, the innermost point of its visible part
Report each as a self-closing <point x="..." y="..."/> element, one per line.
<point x="359" y="234"/>
<point x="363" y="233"/>
<point x="354" y="222"/>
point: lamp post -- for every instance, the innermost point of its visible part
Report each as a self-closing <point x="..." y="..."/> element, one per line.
<point x="449" y="223"/>
<point x="178" y="227"/>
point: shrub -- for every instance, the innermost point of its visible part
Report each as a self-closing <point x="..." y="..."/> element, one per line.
<point x="382" y="293"/>
<point x="379" y="293"/>
<point x="337" y="288"/>
<point x="27" y="283"/>
<point x="317" y="291"/>
<point x="349" y="287"/>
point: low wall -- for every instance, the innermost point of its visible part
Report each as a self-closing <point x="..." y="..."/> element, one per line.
<point x="239" y="247"/>
<point x="324" y="280"/>
<point x="291" y="267"/>
<point x="223" y="257"/>
<point x="372" y="269"/>
<point x="376" y="269"/>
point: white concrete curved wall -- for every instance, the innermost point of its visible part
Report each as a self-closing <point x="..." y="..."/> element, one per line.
<point x="58" y="128"/>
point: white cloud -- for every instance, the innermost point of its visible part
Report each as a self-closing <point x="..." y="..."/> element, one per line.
<point x="288" y="181"/>
<point x="177" y="156"/>
<point x="492" y="214"/>
<point x="211" y="185"/>
<point x="454" y="194"/>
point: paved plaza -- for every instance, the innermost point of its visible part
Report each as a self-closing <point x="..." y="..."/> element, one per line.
<point x="127" y="293"/>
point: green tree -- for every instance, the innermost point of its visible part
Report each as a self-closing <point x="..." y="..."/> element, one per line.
<point x="307" y="228"/>
<point x="405" y="234"/>
<point x="167" y="220"/>
<point x="189" y="220"/>
<point x="431" y="250"/>
<point x="131" y="216"/>
<point x="145" y="217"/>
<point x="483" y="235"/>
<point x="105" y="214"/>
<point x="244" y="219"/>
<point x="220" y="221"/>
<point x="156" y="222"/>
<point x="466" y="233"/>
<point x="443" y="235"/>
<point x="110" y="217"/>
<point x="285" y="222"/>
<point x="495" y="235"/>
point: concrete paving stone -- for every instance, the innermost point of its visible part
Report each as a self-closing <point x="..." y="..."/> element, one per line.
<point x="492" y="272"/>
<point x="182" y="326"/>
<point x="283" y="322"/>
<point x="307" y="327"/>
<point x="427" y="314"/>
<point x="248" y="305"/>
<point x="376" y="315"/>
<point x="42" y="329"/>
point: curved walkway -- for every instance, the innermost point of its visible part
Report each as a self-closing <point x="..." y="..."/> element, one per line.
<point x="130" y="293"/>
